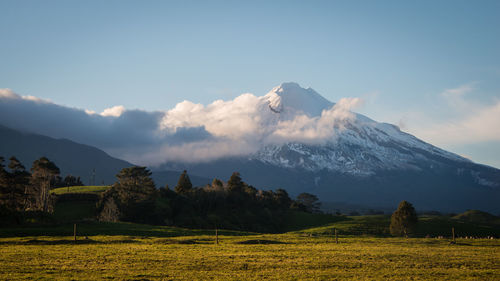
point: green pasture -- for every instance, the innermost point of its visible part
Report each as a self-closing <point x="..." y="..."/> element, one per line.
<point x="290" y="256"/>
<point x="46" y="250"/>
<point x="81" y="189"/>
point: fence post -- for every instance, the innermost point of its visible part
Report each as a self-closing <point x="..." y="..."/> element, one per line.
<point x="74" y="232"/>
<point x="336" y="237"/>
<point x="453" y="234"/>
<point x="216" y="236"/>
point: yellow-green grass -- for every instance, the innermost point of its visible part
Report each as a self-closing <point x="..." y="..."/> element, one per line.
<point x="81" y="189"/>
<point x="293" y="256"/>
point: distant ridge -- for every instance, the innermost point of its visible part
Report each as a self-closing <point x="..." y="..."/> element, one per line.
<point x="75" y="159"/>
<point x="71" y="157"/>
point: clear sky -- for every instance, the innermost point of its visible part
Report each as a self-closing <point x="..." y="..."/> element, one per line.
<point x="431" y="67"/>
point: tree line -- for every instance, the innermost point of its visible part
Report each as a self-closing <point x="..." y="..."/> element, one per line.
<point x="23" y="191"/>
<point x="134" y="198"/>
<point x="231" y="205"/>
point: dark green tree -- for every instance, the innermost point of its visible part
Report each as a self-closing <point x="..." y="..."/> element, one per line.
<point x="134" y="184"/>
<point x="184" y="184"/>
<point x="310" y="202"/>
<point x="235" y="184"/>
<point x="217" y="184"/>
<point x="282" y="198"/>
<point x="404" y="220"/>
<point x="8" y="212"/>
<point x="4" y="176"/>
<point x="19" y="184"/>
<point x="4" y="185"/>
<point x="131" y="198"/>
<point x="43" y="172"/>
<point x="70" y="180"/>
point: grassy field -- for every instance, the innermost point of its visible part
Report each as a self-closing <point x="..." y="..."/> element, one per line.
<point x="128" y="251"/>
<point x="81" y="189"/>
<point x="290" y="256"/>
<point x="378" y="225"/>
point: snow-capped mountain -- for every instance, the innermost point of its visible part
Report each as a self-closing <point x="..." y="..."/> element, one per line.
<point x="358" y="144"/>
<point x="290" y="138"/>
<point x="310" y="144"/>
<point x="289" y="99"/>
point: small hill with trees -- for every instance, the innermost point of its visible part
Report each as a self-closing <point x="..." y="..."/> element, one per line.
<point x="477" y="216"/>
<point x="230" y="205"/>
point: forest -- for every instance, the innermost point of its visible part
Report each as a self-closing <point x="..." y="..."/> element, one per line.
<point x="26" y="195"/>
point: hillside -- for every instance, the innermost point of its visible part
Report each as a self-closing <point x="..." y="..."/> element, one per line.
<point x="72" y="158"/>
<point x="75" y="159"/>
<point x="291" y="138"/>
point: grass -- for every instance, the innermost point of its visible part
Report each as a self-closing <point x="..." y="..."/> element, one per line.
<point x="378" y="225"/>
<point x="302" y="220"/>
<point x="92" y="228"/>
<point x="478" y="216"/>
<point x="289" y="256"/>
<point x="372" y="226"/>
<point x="127" y="251"/>
<point x="81" y="189"/>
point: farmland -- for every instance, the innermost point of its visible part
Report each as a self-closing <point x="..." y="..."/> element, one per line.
<point x="181" y="254"/>
<point x="307" y="251"/>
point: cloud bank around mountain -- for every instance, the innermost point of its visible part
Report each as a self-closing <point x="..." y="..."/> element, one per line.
<point x="189" y="132"/>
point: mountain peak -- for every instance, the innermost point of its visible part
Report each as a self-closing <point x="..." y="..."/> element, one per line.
<point x="287" y="86"/>
<point x="290" y="96"/>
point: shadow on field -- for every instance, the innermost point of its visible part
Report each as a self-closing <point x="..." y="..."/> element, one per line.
<point x="260" y="241"/>
<point x="185" y="241"/>
<point x="91" y="228"/>
<point x="51" y="242"/>
<point x="80" y="242"/>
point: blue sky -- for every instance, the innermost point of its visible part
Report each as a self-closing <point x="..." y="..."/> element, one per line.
<point x="432" y="67"/>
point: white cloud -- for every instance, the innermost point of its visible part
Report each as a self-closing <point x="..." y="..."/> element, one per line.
<point x="200" y="151"/>
<point x="8" y="94"/>
<point x="456" y="100"/>
<point x="189" y="132"/>
<point x="231" y="119"/>
<point x="36" y="99"/>
<point x="459" y="91"/>
<point x="114" y="111"/>
<point x="473" y="122"/>
<point x="316" y="129"/>
<point x="478" y="126"/>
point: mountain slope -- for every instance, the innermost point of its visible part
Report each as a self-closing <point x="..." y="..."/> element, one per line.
<point x="290" y="138"/>
<point x="71" y="157"/>
<point x="343" y="156"/>
<point x="75" y="159"/>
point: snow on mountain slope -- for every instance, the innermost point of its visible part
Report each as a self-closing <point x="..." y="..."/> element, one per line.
<point x="290" y="98"/>
<point x="358" y="145"/>
<point x="295" y="127"/>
